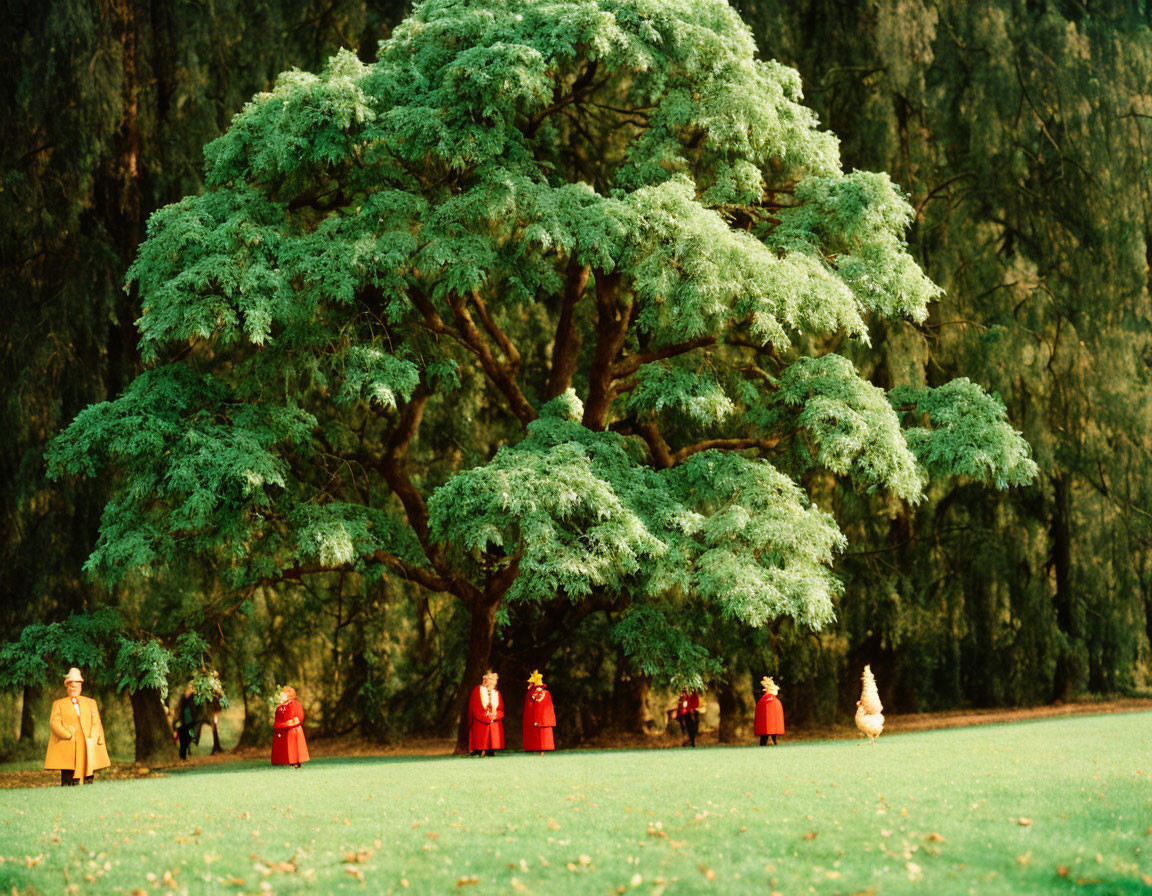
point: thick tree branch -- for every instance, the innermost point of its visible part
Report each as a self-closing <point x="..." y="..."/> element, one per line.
<point x="612" y="323"/>
<point x="566" y="346"/>
<point x="629" y="365"/>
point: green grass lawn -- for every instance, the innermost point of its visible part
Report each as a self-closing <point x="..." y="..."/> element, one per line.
<point x="1036" y="807"/>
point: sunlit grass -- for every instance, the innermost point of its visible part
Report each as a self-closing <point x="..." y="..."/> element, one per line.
<point x="1049" y="806"/>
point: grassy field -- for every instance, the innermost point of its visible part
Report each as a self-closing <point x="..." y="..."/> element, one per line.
<point x="1038" y="807"/>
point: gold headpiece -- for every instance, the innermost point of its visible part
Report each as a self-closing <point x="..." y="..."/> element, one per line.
<point x="770" y="686"/>
<point x="536" y="678"/>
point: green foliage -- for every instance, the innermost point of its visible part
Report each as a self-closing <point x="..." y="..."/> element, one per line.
<point x="854" y="429"/>
<point x="142" y="664"/>
<point x="45" y="651"/>
<point x="968" y="434"/>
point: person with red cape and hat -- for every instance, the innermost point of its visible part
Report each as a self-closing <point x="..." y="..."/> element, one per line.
<point x="486" y="711"/>
<point x="539" y="717"/>
<point x="769" y="712"/>
<point x="288" y="744"/>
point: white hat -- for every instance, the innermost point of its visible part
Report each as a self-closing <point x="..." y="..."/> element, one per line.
<point x="73" y="675"/>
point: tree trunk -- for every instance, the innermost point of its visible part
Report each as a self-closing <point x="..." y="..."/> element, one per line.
<point x="153" y="736"/>
<point x="630" y="698"/>
<point x="483" y="624"/>
<point x="27" y="718"/>
<point x="730" y="713"/>
<point x="1065" y="676"/>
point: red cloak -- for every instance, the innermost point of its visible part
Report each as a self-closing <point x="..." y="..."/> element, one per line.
<point x="688" y="703"/>
<point x="769" y="716"/>
<point x="539" y="720"/>
<point x="487" y="731"/>
<point x="288" y="744"/>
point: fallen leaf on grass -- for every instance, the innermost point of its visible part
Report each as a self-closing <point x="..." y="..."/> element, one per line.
<point x="467" y="880"/>
<point x="1062" y="870"/>
<point x="811" y="835"/>
<point x="359" y="857"/>
<point x="356" y="873"/>
<point x="1024" y="822"/>
<point x="552" y="825"/>
<point x="934" y="838"/>
<point x="1025" y="859"/>
<point x="33" y="862"/>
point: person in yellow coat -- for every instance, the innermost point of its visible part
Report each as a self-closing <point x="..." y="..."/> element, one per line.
<point x="76" y="746"/>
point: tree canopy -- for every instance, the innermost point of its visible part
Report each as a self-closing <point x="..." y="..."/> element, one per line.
<point x="540" y="308"/>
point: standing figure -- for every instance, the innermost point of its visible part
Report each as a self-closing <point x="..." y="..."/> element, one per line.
<point x="288" y="744"/>
<point x="688" y="715"/>
<point x="486" y="710"/>
<point x="539" y="717"/>
<point x="769" y="712"/>
<point x="76" y="746"/>
<point x="185" y="717"/>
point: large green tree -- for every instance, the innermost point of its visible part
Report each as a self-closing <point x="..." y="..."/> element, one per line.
<point x="536" y="311"/>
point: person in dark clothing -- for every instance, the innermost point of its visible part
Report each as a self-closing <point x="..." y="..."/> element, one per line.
<point x="185" y="721"/>
<point x="688" y="715"/>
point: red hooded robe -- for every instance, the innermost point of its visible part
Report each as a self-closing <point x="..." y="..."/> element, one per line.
<point x="769" y="716"/>
<point x="539" y="720"/>
<point x="487" y="731"/>
<point x="288" y="744"/>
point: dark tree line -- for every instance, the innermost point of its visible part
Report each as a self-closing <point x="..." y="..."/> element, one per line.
<point x="1019" y="133"/>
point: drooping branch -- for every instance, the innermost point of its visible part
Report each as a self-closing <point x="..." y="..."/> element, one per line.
<point x="629" y="365"/>
<point x="612" y="324"/>
<point x="566" y="346"/>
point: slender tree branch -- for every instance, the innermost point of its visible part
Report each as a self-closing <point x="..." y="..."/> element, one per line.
<point x="629" y="365"/>
<point x="500" y="375"/>
<point x="581" y="87"/>
<point x="498" y="335"/>
<point x="726" y="445"/>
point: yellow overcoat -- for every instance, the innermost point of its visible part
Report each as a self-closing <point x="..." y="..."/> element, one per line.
<point x="76" y="742"/>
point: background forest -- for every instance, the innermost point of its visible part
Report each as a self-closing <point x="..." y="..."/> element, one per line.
<point x="1018" y="131"/>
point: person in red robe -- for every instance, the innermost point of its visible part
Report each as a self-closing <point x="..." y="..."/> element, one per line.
<point x="486" y="710"/>
<point x="539" y="717"/>
<point x="688" y="715"/>
<point x="288" y="744"/>
<point x="769" y="713"/>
